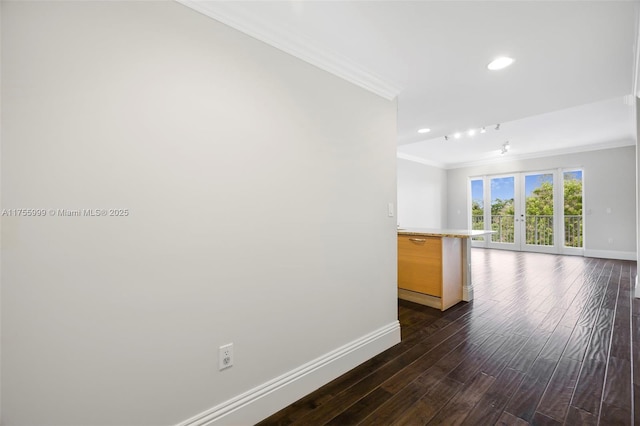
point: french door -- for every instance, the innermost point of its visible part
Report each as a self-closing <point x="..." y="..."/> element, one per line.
<point x="528" y="212"/>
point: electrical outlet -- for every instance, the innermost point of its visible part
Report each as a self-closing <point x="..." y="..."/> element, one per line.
<point x="225" y="356"/>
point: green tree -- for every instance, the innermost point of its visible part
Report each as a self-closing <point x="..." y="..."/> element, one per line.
<point x="572" y="196"/>
<point x="502" y="212"/>
<point x="500" y="207"/>
<point x="476" y="208"/>
<point x="539" y="211"/>
<point x="477" y="217"/>
<point x="572" y="207"/>
<point x="540" y="202"/>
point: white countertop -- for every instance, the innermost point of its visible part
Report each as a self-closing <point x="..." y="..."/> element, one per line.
<point x="433" y="232"/>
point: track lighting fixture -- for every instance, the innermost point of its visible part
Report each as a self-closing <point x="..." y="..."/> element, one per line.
<point x="471" y="132"/>
<point x="505" y="148"/>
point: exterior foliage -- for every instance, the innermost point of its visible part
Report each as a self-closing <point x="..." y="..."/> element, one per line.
<point x="539" y="215"/>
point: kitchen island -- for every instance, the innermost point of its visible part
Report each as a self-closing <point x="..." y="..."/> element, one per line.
<point x="434" y="266"/>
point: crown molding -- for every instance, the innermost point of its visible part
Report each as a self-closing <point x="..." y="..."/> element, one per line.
<point x="294" y="44"/>
<point x="420" y="160"/>
<point x="550" y="153"/>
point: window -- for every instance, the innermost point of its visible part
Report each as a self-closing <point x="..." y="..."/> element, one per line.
<point x="573" y="223"/>
<point x="533" y="211"/>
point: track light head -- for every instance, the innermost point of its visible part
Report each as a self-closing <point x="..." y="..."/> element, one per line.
<point x="505" y="148"/>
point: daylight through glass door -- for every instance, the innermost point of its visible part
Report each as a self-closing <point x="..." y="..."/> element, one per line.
<point x="573" y="223"/>
<point x="503" y="210"/>
<point x="537" y="211"/>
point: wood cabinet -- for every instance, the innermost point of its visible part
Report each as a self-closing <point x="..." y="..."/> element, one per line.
<point x="420" y="264"/>
<point x="430" y="270"/>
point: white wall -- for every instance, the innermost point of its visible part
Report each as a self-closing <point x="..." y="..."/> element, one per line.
<point x="637" y="177"/>
<point x="609" y="182"/>
<point x="257" y="187"/>
<point x="422" y="196"/>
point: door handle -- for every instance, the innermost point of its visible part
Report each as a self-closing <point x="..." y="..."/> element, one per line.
<point x="417" y="240"/>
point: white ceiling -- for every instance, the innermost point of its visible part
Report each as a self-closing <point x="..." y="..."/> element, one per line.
<point x="598" y="125"/>
<point x="575" y="62"/>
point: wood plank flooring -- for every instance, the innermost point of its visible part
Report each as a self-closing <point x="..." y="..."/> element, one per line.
<point x="548" y="340"/>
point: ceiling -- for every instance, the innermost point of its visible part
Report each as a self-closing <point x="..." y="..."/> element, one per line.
<point x="575" y="61"/>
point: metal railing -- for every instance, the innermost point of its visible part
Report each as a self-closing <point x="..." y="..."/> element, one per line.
<point x="539" y="229"/>
<point x="573" y="231"/>
<point x="477" y="224"/>
<point x="504" y="227"/>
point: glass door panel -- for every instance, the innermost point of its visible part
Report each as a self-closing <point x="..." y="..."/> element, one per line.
<point x="535" y="211"/>
<point x="477" y="206"/>
<point x="538" y="217"/>
<point x="503" y="210"/>
<point x="572" y="191"/>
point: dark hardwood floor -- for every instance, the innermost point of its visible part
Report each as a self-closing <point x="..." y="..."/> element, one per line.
<point x="548" y="340"/>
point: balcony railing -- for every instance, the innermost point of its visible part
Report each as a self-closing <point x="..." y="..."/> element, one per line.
<point x="573" y="231"/>
<point x="503" y="225"/>
<point x="477" y="223"/>
<point x="539" y="229"/>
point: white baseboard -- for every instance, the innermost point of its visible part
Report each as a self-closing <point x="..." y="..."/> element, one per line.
<point x="266" y="399"/>
<point x="611" y="254"/>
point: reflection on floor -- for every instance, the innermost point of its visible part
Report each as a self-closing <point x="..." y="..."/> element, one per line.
<point x="548" y="340"/>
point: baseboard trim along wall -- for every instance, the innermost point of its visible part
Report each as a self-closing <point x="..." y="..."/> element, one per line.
<point x="266" y="399"/>
<point x="611" y="254"/>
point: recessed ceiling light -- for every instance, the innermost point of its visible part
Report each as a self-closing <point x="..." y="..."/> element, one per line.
<point x="500" y="63"/>
<point x="457" y="135"/>
<point x="483" y="130"/>
<point x="424" y="130"/>
<point x="471" y="132"/>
